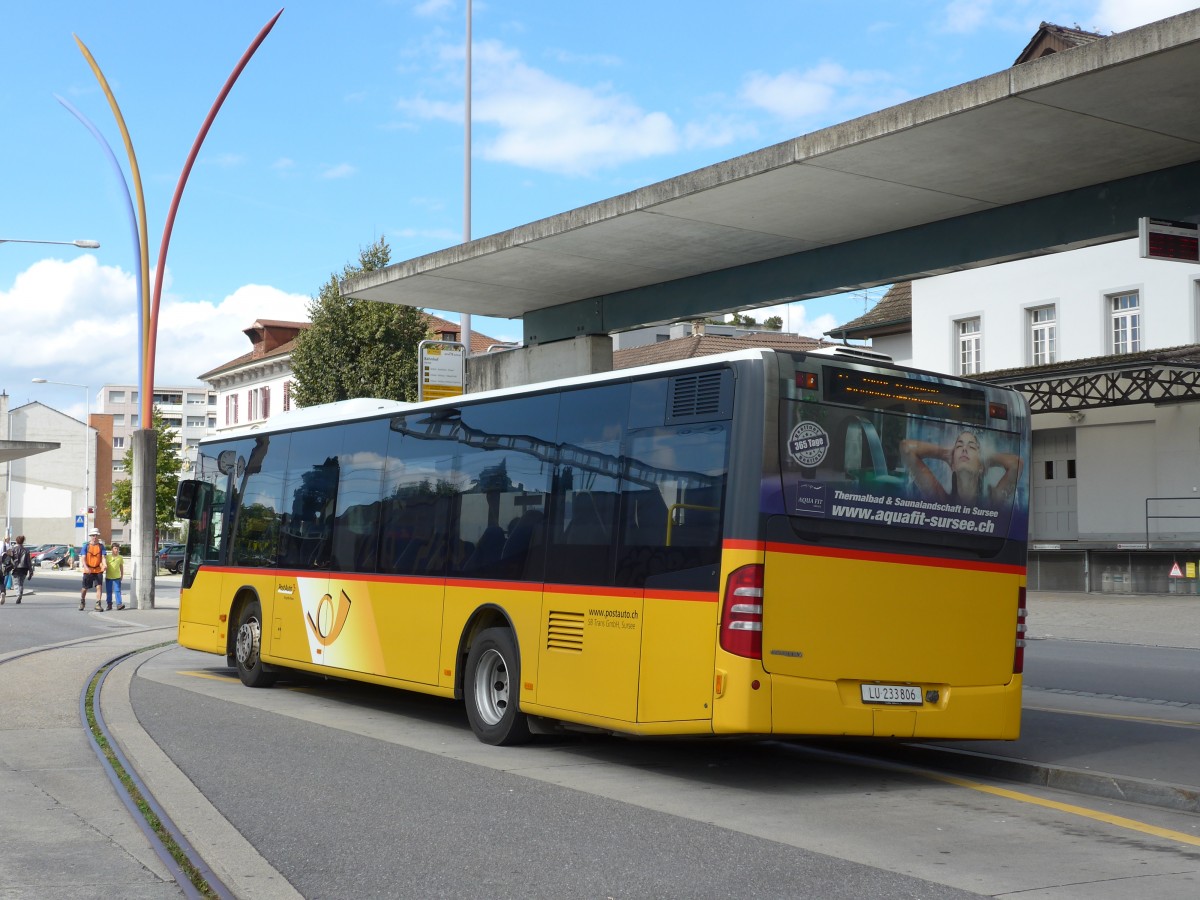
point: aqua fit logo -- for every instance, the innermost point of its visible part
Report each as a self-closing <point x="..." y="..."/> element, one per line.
<point x="330" y="619"/>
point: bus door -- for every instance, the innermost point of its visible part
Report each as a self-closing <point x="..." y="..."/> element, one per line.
<point x="671" y="544"/>
<point x="306" y="617"/>
<point x="201" y="505"/>
<point x="591" y="642"/>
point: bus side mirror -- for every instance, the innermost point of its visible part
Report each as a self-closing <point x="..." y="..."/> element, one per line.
<point x="187" y="497"/>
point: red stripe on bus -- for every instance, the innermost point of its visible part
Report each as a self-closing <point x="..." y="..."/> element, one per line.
<point x="896" y="558"/>
<point x="741" y="544"/>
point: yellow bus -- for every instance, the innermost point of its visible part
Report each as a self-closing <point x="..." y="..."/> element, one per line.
<point x="756" y="543"/>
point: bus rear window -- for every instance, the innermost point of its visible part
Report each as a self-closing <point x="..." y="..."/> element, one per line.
<point x="900" y="471"/>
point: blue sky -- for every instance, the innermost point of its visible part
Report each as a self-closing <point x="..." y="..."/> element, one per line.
<point x="348" y="125"/>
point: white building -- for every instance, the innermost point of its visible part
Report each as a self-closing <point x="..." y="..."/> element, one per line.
<point x="50" y="476"/>
<point x="257" y="385"/>
<point x="1106" y="346"/>
<point x="189" y="413"/>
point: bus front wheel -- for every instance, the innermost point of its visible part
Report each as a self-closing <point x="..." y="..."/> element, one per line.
<point x="248" y="648"/>
<point x="493" y="684"/>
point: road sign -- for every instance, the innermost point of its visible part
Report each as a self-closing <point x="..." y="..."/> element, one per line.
<point x="79" y="521"/>
<point x="1166" y="239"/>
<point x="441" y="374"/>
<point x="1176" y="572"/>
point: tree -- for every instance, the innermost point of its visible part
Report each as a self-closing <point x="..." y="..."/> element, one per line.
<point x="775" y="322"/>
<point x="120" y="501"/>
<point x="358" y="348"/>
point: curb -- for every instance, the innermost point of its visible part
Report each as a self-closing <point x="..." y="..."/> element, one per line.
<point x="1177" y="797"/>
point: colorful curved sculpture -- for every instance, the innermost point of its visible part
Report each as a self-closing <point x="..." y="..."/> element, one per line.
<point x="149" y="302"/>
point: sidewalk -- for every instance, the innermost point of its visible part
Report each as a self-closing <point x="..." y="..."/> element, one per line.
<point x="1154" y="620"/>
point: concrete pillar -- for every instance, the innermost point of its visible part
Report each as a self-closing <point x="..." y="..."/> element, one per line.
<point x="145" y="478"/>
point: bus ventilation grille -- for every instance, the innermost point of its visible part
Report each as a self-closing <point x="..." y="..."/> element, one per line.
<point x="702" y="396"/>
<point x="565" y="631"/>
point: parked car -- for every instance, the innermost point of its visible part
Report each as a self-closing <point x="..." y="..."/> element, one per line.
<point x="170" y="557"/>
<point x="55" y="551"/>
<point x="58" y="556"/>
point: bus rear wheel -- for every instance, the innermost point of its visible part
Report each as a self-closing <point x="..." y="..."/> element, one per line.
<point x="493" y="684"/>
<point x="248" y="648"/>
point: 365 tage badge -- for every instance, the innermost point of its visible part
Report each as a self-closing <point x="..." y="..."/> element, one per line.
<point x="808" y="444"/>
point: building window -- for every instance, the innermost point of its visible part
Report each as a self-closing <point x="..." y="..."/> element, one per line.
<point x="1042" y="335"/>
<point x="252" y="405"/>
<point x="119" y="419"/>
<point x="970" y="339"/>
<point x="116" y="396"/>
<point x="133" y="420"/>
<point x="195" y="421"/>
<point x="1126" y="322"/>
<point x="118" y="443"/>
<point x="231" y="409"/>
<point x="266" y="402"/>
<point x="212" y="422"/>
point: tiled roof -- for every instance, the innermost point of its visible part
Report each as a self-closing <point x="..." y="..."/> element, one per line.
<point x="1185" y="355"/>
<point x="479" y="342"/>
<point x="708" y="344"/>
<point x="891" y="315"/>
<point x="1050" y="38"/>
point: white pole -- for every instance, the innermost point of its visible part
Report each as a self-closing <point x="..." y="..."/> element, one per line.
<point x="87" y="440"/>
<point x="465" y="318"/>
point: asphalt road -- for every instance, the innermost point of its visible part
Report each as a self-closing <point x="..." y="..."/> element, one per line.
<point x="354" y="791"/>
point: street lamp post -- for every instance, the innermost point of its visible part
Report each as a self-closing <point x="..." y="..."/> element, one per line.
<point x="83" y="245"/>
<point x="87" y="425"/>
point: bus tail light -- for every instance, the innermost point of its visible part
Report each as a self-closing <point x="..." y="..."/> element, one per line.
<point x="742" y="613"/>
<point x="1019" y="653"/>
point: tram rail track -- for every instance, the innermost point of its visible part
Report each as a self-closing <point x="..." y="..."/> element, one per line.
<point x="184" y="863"/>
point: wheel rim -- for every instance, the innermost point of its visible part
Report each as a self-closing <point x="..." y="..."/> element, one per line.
<point x="491" y="687"/>
<point x="249" y="638"/>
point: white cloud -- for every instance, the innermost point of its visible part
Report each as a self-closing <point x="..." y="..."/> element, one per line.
<point x="825" y="89"/>
<point x="794" y="95"/>
<point x="433" y="8"/>
<point x="81" y="325"/>
<point x="797" y="319"/>
<point x="226" y="160"/>
<point x="196" y="337"/>
<point x="533" y="119"/>
<point x="965" y="16"/>
<point x="1104" y="16"/>
<point x="1121" y="15"/>
<point x="341" y="170"/>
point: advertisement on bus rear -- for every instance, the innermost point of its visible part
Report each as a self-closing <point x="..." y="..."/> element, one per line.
<point x="892" y="470"/>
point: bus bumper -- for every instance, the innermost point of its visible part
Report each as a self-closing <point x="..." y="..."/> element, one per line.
<point x="754" y="702"/>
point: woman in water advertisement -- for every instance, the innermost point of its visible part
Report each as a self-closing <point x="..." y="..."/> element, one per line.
<point x="911" y="472"/>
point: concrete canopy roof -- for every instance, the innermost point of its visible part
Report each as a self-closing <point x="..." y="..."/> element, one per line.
<point x="1061" y="152"/>
<point x="14" y="450"/>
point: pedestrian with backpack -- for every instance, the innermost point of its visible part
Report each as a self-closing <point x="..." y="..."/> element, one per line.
<point x="21" y="565"/>
<point x="92" y="562"/>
